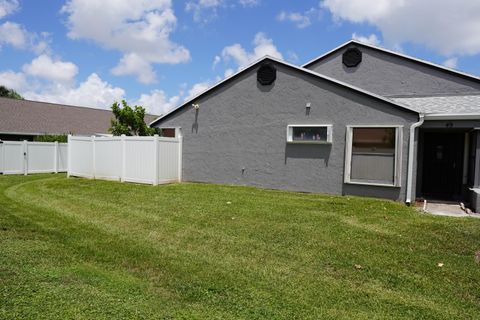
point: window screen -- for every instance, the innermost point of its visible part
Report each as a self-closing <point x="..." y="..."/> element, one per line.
<point x="373" y="155"/>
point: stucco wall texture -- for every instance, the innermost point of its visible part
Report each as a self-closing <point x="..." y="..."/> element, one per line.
<point x="238" y="134"/>
<point x="390" y="75"/>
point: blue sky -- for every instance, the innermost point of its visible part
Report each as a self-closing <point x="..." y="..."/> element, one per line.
<point x="157" y="53"/>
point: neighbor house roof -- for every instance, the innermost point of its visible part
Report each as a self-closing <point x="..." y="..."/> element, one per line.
<point x="32" y="117"/>
<point x="292" y="66"/>
<point x="445" y="105"/>
<point x="393" y="53"/>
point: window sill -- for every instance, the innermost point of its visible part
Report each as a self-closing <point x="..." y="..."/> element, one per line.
<point x="308" y="142"/>
<point x="376" y="184"/>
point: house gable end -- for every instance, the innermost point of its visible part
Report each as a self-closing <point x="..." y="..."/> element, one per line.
<point x="391" y="74"/>
<point x="300" y="71"/>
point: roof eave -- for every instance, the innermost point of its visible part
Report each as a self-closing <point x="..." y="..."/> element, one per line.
<point x="452" y="116"/>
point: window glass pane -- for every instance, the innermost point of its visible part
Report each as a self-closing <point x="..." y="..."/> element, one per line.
<point x="373" y="140"/>
<point x="309" y="134"/>
<point x="373" y="155"/>
<point x="376" y="168"/>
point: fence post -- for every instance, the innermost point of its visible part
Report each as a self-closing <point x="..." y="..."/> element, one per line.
<point x="156" y="157"/>
<point x="69" y="157"/>
<point x="2" y="158"/>
<point x="56" y="157"/>
<point x="180" y="154"/>
<point x="124" y="156"/>
<point x="93" y="156"/>
<point x="25" y="161"/>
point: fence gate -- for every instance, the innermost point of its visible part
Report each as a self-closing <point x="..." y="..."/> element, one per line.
<point x="24" y="157"/>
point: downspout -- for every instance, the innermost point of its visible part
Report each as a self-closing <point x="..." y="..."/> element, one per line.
<point x="411" y="157"/>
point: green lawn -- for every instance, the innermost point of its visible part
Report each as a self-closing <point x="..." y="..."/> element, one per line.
<point x="83" y="249"/>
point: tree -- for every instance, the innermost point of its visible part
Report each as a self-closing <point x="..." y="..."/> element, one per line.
<point x="51" y="138"/>
<point x="9" y="93"/>
<point x="130" y="121"/>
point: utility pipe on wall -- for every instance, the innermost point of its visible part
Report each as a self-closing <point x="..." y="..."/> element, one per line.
<point x="411" y="157"/>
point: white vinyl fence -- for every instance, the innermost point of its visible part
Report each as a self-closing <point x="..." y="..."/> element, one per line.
<point x="23" y="157"/>
<point x="151" y="160"/>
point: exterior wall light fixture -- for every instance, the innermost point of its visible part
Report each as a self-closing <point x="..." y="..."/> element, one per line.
<point x="307" y="108"/>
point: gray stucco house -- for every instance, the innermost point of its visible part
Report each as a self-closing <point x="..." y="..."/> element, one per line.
<point x="358" y="120"/>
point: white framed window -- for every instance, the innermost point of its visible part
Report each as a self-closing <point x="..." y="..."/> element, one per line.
<point x="309" y="133"/>
<point x="373" y="155"/>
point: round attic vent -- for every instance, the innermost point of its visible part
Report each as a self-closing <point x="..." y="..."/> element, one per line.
<point x="352" y="57"/>
<point x="266" y="74"/>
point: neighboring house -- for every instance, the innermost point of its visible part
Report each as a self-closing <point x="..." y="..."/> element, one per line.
<point x="24" y="119"/>
<point x="359" y="120"/>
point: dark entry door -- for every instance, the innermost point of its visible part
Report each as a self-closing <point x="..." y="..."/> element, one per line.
<point x="443" y="165"/>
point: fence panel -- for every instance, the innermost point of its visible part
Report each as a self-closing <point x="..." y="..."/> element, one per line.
<point x="149" y="160"/>
<point x="13" y="157"/>
<point x="108" y="158"/>
<point x="22" y="157"/>
<point x="80" y="157"/>
<point x="62" y="157"/>
<point x="1" y="157"/>
<point x="41" y="157"/>
<point x="140" y="161"/>
<point x="168" y="160"/>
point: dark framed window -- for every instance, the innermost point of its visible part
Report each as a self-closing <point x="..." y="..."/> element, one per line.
<point x="373" y="155"/>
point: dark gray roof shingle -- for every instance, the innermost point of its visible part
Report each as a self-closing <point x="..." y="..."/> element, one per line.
<point x="460" y="104"/>
<point x="24" y="116"/>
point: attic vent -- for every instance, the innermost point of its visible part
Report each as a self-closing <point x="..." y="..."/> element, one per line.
<point x="266" y="74"/>
<point x="352" y="57"/>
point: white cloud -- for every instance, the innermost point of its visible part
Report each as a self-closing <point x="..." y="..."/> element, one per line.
<point x="299" y="19"/>
<point x="157" y="102"/>
<point x="249" y="3"/>
<point x="58" y="71"/>
<point x="133" y="64"/>
<point x="40" y="44"/>
<point x="93" y="92"/>
<point x="292" y="57"/>
<point x="262" y="46"/>
<point x="362" y="10"/>
<point x="216" y="61"/>
<point x="13" y="34"/>
<point x="371" y="39"/>
<point x="139" y="29"/>
<point x="450" y="27"/>
<point x="198" y="88"/>
<point x="13" y="80"/>
<point x="203" y="11"/>
<point x="451" y="63"/>
<point x="229" y="72"/>
<point x="8" y="7"/>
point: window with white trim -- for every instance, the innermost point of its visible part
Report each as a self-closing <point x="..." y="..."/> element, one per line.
<point x="373" y="155"/>
<point x="320" y="133"/>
